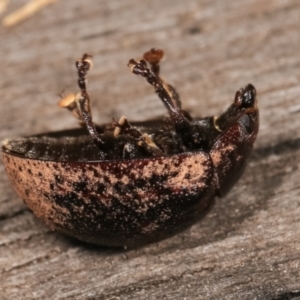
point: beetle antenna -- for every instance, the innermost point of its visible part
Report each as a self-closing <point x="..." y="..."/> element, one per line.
<point x="140" y="68"/>
<point x="83" y="65"/>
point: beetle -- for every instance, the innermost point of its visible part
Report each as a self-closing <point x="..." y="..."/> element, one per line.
<point x="128" y="184"/>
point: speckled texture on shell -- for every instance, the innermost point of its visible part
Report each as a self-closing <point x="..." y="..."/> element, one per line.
<point x="230" y="154"/>
<point x="131" y="202"/>
<point x="116" y="203"/>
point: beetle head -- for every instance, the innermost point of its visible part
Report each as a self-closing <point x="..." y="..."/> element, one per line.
<point x="245" y="98"/>
<point x="245" y="103"/>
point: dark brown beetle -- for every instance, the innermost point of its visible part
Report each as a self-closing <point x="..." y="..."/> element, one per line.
<point x="128" y="184"/>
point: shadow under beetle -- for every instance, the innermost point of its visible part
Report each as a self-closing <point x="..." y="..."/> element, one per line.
<point x="127" y="184"/>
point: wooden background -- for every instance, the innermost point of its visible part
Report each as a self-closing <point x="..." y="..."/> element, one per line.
<point x="248" y="246"/>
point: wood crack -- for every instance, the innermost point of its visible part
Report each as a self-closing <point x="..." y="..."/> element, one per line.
<point x="16" y="213"/>
<point x="278" y="149"/>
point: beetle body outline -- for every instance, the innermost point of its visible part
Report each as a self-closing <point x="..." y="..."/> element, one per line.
<point x="130" y="184"/>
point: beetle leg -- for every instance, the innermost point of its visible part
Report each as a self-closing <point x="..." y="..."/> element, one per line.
<point x="79" y="104"/>
<point x="90" y="125"/>
<point x="83" y="101"/>
<point x="153" y="57"/>
<point x="176" y="114"/>
<point x="71" y="103"/>
<point x="144" y="140"/>
<point x="124" y="127"/>
<point x="147" y="142"/>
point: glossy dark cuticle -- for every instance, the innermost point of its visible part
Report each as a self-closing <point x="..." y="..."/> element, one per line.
<point x="127" y="184"/>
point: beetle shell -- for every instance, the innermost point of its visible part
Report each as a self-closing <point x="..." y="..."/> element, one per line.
<point x="116" y="203"/>
<point x="129" y="202"/>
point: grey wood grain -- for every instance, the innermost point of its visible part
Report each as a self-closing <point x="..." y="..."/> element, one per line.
<point x="248" y="246"/>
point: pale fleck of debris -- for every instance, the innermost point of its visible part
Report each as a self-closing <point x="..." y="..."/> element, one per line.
<point x="67" y="100"/>
<point x="3" y="5"/>
<point x="25" y="12"/>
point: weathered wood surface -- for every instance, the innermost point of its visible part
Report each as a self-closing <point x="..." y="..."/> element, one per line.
<point x="248" y="246"/>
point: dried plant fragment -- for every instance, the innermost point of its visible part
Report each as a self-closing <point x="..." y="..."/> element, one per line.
<point x="25" y="12"/>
